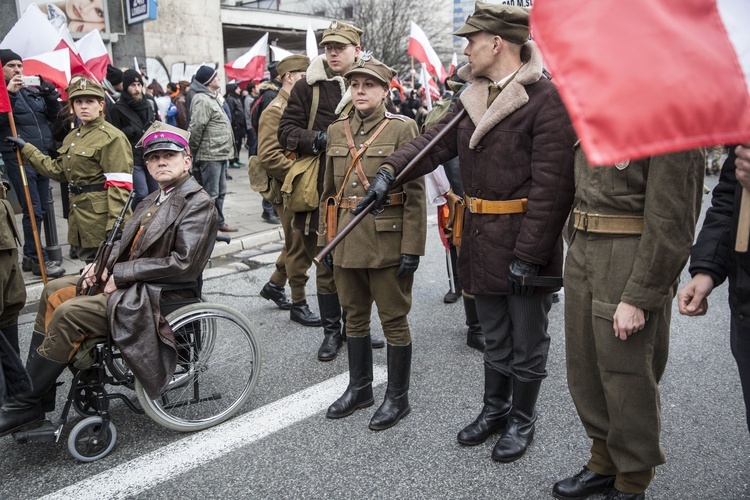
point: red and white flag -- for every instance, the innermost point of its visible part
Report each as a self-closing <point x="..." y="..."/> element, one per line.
<point x="422" y="51"/>
<point x="53" y="66"/>
<point x="641" y="78"/>
<point x="454" y="64"/>
<point x="251" y="64"/>
<point x="311" y="43"/>
<point x="94" y="54"/>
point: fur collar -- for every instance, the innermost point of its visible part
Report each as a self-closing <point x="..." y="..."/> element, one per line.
<point x="316" y="72"/>
<point x="513" y="97"/>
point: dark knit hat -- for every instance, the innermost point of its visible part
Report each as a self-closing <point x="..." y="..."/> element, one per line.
<point x="114" y="75"/>
<point x="272" y="70"/>
<point x="7" y="55"/>
<point x="205" y="74"/>
<point x="506" y="21"/>
<point x="129" y="77"/>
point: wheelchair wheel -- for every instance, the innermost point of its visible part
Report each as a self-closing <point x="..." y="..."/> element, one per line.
<point x="85" y="402"/>
<point x="88" y="441"/>
<point x="218" y="365"/>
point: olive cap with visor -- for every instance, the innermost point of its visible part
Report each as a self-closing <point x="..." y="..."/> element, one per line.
<point x="85" y="87"/>
<point x="368" y="65"/>
<point x="339" y="32"/>
<point x="506" y="21"/>
<point x="292" y="64"/>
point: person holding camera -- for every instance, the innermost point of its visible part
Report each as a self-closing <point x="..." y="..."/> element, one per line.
<point x="34" y="108"/>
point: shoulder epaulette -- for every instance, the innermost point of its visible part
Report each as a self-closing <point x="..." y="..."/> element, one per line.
<point x="394" y="116"/>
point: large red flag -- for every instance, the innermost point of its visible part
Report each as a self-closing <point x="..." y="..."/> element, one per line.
<point x="641" y="77"/>
<point x="5" y="106"/>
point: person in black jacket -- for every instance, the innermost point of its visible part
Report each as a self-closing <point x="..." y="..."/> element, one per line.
<point x="234" y="101"/>
<point x="133" y="114"/>
<point x="33" y="110"/>
<point x="713" y="260"/>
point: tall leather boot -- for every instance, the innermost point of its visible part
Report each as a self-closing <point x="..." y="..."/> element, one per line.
<point x="520" y="432"/>
<point x="330" y="317"/>
<point x="11" y="335"/>
<point x="474" y="335"/>
<point x="358" y="393"/>
<point x="396" y="403"/>
<point x="26" y="408"/>
<point x="48" y="400"/>
<point x="498" y="396"/>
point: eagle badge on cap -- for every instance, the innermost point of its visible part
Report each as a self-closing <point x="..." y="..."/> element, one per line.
<point x="82" y="84"/>
<point x="334" y="26"/>
<point x="363" y="58"/>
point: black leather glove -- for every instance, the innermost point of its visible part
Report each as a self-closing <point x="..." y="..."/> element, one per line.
<point x="118" y="236"/>
<point x="17" y="142"/>
<point x="517" y="270"/>
<point x="328" y="261"/>
<point x="378" y="191"/>
<point x="47" y="89"/>
<point x="320" y="142"/>
<point x="407" y="265"/>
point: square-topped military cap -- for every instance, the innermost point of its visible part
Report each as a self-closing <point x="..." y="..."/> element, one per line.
<point x="339" y="32"/>
<point x="506" y="21"/>
<point x="164" y="137"/>
<point x="293" y="63"/>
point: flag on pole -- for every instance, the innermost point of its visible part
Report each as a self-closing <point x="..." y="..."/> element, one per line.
<point x="424" y="79"/>
<point x="94" y="54"/>
<point x="52" y="66"/>
<point x="32" y="34"/>
<point x="277" y="53"/>
<point x="251" y="64"/>
<point x="641" y="78"/>
<point x="422" y="51"/>
<point x="454" y="64"/>
<point x="5" y="106"/>
<point x="311" y="42"/>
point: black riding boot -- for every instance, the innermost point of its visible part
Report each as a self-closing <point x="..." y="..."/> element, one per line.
<point x="48" y="400"/>
<point x="520" y="431"/>
<point x="358" y="393"/>
<point x="474" y="335"/>
<point x="498" y="395"/>
<point x="11" y="335"/>
<point x="330" y="316"/>
<point x="26" y="408"/>
<point x="396" y="403"/>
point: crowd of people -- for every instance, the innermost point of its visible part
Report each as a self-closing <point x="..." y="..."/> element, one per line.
<point x="515" y="167"/>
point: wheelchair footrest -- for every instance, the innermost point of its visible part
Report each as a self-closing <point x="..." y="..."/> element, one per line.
<point x="47" y="432"/>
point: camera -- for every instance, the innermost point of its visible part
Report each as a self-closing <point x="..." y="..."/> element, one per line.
<point x="31" y="81"/>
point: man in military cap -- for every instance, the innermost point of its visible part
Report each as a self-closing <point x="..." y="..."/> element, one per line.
<point x="96" y="161"/>
<point x="294" y="260"/>
<point x="171" y="233"/>
<point x="322" y="94"/>
<point x="515" y="147"/>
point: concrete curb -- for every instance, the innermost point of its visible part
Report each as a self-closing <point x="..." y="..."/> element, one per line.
<point x="34" y="292"/>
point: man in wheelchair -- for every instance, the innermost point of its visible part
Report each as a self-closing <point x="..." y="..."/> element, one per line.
<point x="168" y="239"/>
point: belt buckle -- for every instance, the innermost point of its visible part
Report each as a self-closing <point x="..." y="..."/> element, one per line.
<point x="387" y="200"/>
<point x="352" y="203"/>
<point x="471" y="204"/>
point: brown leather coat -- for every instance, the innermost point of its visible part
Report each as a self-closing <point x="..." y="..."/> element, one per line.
<point x="521" y="147"/>
<point x="174" y="247"/>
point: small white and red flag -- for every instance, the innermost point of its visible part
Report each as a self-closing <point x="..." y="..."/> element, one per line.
<point x="422" y="51"/>
<point x="454" y="64"/>
<point x="251" y="64"/>
<point x="94" y="54"/>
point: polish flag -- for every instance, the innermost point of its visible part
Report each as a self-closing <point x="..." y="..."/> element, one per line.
<point x="251" y="64"/>
<point x="53" y="66"/>
<point x="278" y="53"/>
<point x="94" y="54"/>
<point x="641" y="78"/>
<point x="422" y="51"/>
<point x="454" y="64"/>
<point x="311" y="43"/>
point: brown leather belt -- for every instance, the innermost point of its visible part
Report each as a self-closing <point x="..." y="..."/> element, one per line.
<point x="480" y="206"/>
<point x="351" y="202"/>
<point x="607" y="224"/>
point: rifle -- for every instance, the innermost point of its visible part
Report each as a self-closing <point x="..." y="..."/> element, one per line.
<point x="103" y="253"/>
<point x="399" y="178"/>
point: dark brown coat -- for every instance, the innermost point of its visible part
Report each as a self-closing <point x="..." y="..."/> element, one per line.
<point x="521" y="147"/>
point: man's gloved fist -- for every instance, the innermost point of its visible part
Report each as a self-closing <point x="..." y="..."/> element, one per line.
<point x="407" y="265"/>
<point x="517" y="270"/>
<point x="320" y="142"/>
<point x="17" y="142"/>
<point x="46" y="88"/>
<point x="378" y="191"/>
<point x="328" y="261"/>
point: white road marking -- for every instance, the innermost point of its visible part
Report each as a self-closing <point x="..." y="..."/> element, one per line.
<point x="160" y="465"/>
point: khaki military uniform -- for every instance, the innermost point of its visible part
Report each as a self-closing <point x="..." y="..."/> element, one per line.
<point x="366" y="261"/>
<point x="634" y="258"/>
<point x="295" y="259"/>
<point x="93" y="156"/>
<point x="13" y="295"/>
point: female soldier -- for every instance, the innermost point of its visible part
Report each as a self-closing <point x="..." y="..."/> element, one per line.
<point x="97" y="162"/>
<point x="377" y="260"/>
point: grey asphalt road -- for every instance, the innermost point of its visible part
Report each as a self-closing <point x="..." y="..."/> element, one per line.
<point x="704" y="435"/>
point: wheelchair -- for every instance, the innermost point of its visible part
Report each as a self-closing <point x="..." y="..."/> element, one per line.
<point x="218" y="366"/>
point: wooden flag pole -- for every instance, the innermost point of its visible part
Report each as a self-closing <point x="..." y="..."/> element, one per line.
<point x="743" y="226"/>
<point x="30" y="207"/>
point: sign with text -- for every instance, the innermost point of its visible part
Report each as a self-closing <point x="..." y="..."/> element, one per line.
<point x="140" y="10"/>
